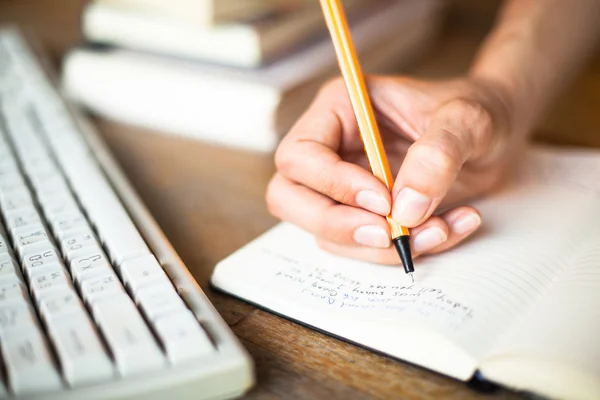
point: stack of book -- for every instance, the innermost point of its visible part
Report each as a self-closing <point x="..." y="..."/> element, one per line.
<point x="234" y="72"/>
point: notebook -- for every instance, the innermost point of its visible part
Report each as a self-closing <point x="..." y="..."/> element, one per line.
<point x="518" y="304"/>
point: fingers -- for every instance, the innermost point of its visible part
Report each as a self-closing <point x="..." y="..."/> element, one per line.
<point x="356" y="233"/>
<point x="459" y="131"/>
<point x="325" y="218"/>
<point x="309" y="154"/>
<point x="462" y="222"/>
<point x="437" y="234"/>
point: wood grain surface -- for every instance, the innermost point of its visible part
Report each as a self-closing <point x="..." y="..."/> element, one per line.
<point x="209" y="201"/>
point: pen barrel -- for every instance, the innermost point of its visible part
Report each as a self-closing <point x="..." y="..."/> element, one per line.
<point x="361" y="104"/>
<point x="396" y="229"/>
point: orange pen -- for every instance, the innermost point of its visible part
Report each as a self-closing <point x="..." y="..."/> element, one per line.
<point x="369" y="132"/>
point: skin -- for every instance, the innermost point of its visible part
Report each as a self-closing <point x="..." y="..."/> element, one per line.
<point x="449" y="141"/>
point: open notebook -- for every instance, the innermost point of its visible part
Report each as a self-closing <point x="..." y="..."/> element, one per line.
<point x="519" y="303"/>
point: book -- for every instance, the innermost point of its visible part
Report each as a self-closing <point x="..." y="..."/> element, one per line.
<point x="248" y="108"/>
<point x="517" y="305"/>
<point x="204" y="12"/>
<point x="244" y="43"/>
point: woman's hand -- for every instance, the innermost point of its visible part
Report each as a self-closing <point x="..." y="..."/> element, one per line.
<point x="447" y="141"/>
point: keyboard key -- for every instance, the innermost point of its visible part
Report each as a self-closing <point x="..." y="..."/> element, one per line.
<point x="49" y="282"/>
<point x="81" y="355"/>
<point x="8" y="164"/>
<point x="56" y="187"/>
<point x="8" y="284"/>
<point x="59" y="203"/>
<point x="58" y="304"/>
<point x="16" y="318"/>
<point x="182" y="337"/>
<point x="40" y="169"/>
<point x="4" y="244"/>
<point x="15" y="200"/>
<point x="22" y="219"/>
<point x="37" y="237"/>
<point x="8" y="268"/>
<point x="11" y="181"/>
<point x="13" y="292"/>
<point x="76" y="242"/>
<point x="142" y="271"/>
<point x="131" y="343"/>
<point x="28" y="364"/>
<point x="158" y="300"/>
<point x="67" y="222"/>
<point x="37" y="260"/>
<point x="98" y="288"/>
<point x="89" y="266"/>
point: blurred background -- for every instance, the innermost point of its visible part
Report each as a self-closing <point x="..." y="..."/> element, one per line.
<point x="186" y="67"/>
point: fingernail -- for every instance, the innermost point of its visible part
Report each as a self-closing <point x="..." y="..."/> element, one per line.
<point x="428" y="239"/>
<point x="373" y="201"/>
<point x="466" y="224"/>
<point x="372" y="236"/>
<point x="410" y="206"/>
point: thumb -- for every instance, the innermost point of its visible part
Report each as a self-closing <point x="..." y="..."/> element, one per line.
<point x="458" y="131"/>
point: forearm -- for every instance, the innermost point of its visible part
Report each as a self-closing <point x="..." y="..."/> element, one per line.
<point x="534" y="50"/>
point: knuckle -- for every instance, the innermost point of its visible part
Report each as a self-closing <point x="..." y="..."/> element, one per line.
<point x="284" y="159"/>
<point x="435" y="156"/>
<point x="476" y="118"/>
<point x="333" y="186"/>
<point x="272" y="197"/>
<point x="346" y="197"/>
<point x="467" y="108"/>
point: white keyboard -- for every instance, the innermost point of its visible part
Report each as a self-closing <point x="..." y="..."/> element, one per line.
<point x="94" y="302"/>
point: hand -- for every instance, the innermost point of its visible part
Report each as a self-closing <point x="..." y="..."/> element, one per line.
<point x="448" y="142"/>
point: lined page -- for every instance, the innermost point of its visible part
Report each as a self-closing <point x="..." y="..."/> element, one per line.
<point x="558" y="336"/>
<point x="470" y="295"/>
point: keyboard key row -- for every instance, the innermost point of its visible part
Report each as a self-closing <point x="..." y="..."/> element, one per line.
<point x="28" y="363"/>
<point x="82" y="356"/>
<point x="105" y="303"/>
<point x="133" y="346"/>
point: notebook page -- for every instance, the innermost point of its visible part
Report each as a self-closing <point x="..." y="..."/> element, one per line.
<point x="553" y="349"/>
<point x="469" y="295"/>
<point x="557" y="336"/>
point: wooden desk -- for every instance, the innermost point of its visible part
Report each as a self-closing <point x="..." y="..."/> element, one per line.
<point x="210" y="201"/>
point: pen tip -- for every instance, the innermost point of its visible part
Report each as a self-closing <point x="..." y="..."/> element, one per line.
<point x="412" y="277"/>
<point x="402" y="245"/>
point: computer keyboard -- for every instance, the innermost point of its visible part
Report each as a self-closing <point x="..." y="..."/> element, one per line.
<point x="94" y="302"/>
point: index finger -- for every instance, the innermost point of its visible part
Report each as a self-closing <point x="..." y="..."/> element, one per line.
<point x="309" y="154"/>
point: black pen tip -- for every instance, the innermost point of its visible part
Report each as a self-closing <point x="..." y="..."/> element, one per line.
<point x="402" y="244"/>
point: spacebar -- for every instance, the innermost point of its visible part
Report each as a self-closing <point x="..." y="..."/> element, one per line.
<point x="106" y="212"/>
